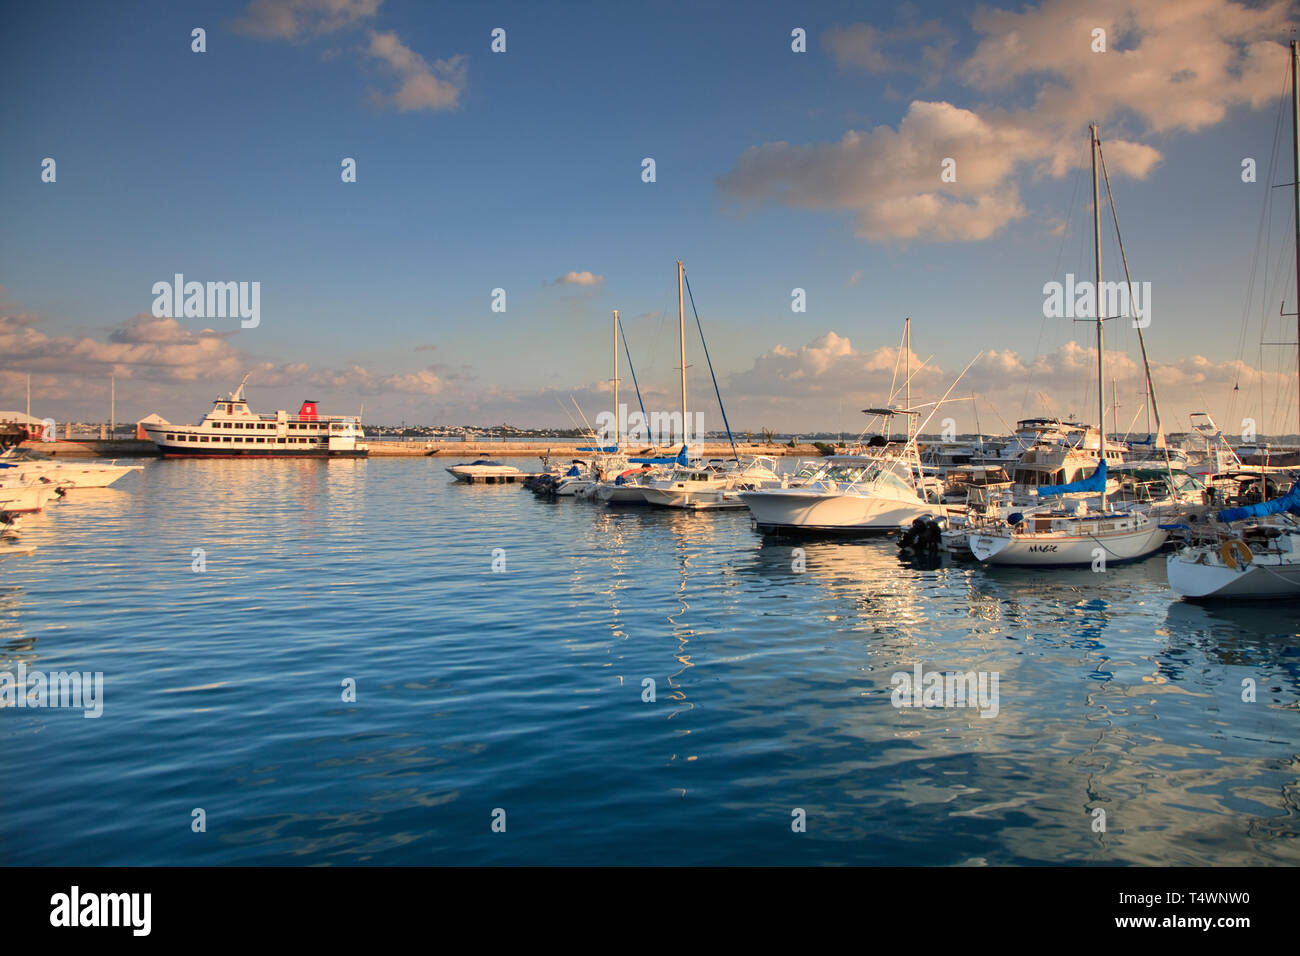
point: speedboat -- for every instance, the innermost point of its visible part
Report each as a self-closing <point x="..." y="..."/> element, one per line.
<point x="485" y="470"/>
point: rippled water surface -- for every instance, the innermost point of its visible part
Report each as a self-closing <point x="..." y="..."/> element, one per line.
<point x="523" y="690"/>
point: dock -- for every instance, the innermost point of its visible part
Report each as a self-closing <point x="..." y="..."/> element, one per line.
<point x="498" y="479"/>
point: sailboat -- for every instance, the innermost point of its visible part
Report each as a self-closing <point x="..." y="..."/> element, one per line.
<point x="1071" y="535"/>
<point x="1259" y="558"/>
<point x="628" y="487"/>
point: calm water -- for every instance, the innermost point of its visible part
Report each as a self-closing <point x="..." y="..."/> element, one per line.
<point x="522" y="690"/>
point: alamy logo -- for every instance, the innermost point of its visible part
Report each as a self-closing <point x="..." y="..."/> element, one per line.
<point x="58" y="689"/>
<point x="103" y="909"/>
<point x="1079" y="300"/>
<point x="640" y="428"/>
<point x="215" y="300"/>
<point x="935" y="689"/>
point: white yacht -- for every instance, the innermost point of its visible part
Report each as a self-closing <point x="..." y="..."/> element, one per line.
<point x="853" y="493"/>
<point x="232" y="430"/>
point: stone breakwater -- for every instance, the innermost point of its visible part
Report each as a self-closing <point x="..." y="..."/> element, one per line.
<point x="132" y="448"/>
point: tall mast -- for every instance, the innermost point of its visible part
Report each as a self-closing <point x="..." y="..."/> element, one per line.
<point x="618" y="436"/>
<point x="681" y="338"/>
<point x="1295" y="154"/>
<point x="1101" y="355"/>
<point x="907" y="370"/>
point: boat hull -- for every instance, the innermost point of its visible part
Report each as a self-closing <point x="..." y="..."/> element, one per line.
<point x="1265" y="578"/>
<point x="1050" y="550"/>
<point x="623" y="495"/>
<point x="26" y="500"/>
<point x="709" y="499"/>
<point x="796" y="510"/>
<point x="177" y="452"/>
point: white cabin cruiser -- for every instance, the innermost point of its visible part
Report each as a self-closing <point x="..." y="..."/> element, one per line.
<point x="853" y="493"/>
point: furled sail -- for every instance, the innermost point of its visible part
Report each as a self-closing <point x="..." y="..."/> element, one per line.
<point x="1288" y="502"/>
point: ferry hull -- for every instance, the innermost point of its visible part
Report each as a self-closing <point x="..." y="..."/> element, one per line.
<point x="179" y="452"/>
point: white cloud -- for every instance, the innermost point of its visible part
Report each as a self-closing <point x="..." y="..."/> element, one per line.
<point x="1171" y="65"/>
<point x="295" y="19"/>
<point x="421" y="85"/>
<point x="580" y="278"/>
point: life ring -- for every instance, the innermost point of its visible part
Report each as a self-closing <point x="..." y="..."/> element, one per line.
<point x="1234" y="548"/>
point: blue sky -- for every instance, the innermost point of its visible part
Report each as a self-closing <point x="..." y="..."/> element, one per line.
<point x="478" y="170"/>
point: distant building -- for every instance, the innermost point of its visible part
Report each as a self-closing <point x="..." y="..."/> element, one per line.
<point x="154" y="419"/>
<point x="34" y="426"/>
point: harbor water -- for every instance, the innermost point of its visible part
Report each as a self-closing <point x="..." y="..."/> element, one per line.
<point x="362" y="662"/>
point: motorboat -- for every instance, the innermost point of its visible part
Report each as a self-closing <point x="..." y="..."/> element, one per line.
<point x="24" y="497"/>
<point x="485" y="470"/>
<point x="852" y="494"/>
<point x="28" y="464"/>
<point x="712" y="486"/>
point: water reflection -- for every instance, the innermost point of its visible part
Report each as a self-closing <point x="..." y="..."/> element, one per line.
<point x="523" y="689"/>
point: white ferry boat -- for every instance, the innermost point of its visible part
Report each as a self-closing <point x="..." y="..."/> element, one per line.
<point x="232" y="430"/>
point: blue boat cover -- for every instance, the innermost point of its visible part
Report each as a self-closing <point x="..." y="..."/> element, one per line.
<point x="1096" y="482"/>
<point x="1288" y="502"/>
<point x="679" y="460"/>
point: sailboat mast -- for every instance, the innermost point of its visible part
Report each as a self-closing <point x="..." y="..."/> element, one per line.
<point x="1101" y="355"/>
<point x="681" y="339"/>
<point x="618" y="434"/>
<point x="907" y="370"/>
<point x="1295" y="155"/>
